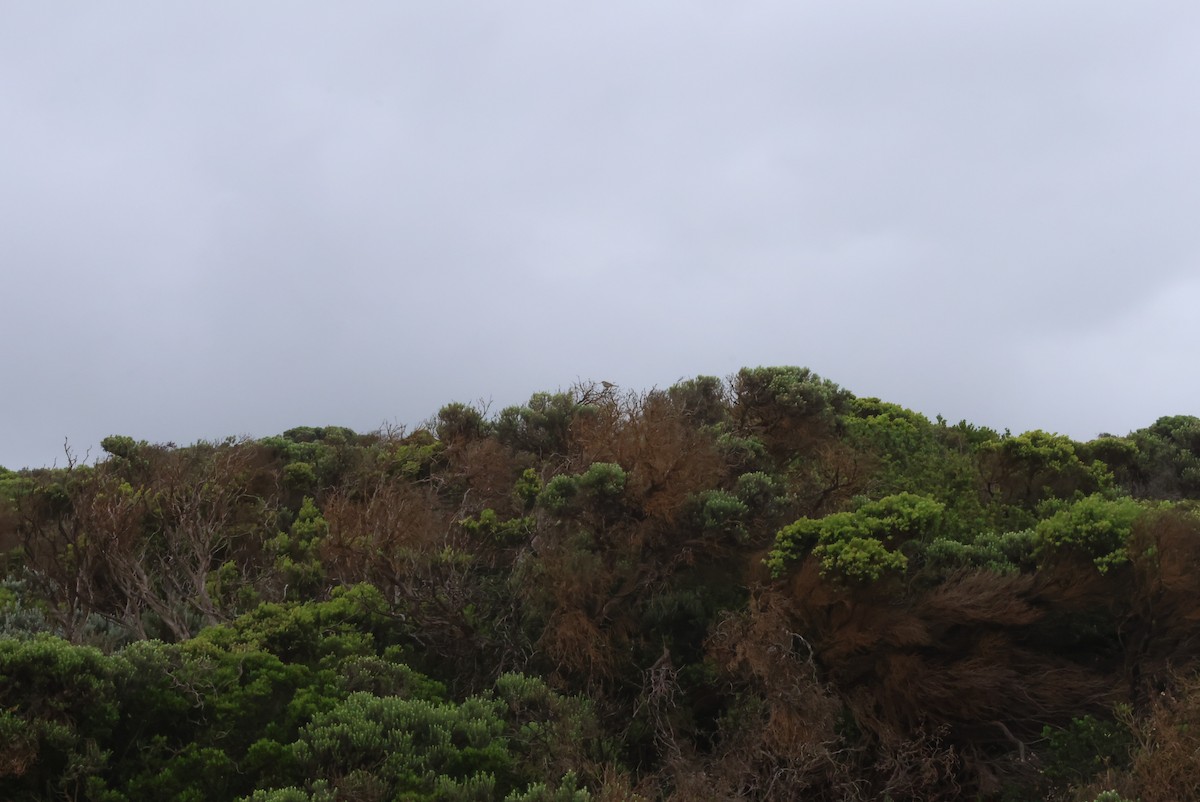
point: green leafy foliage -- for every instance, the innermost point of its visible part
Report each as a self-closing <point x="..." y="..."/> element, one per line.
<point x="122" y="446"/>
<point x="558" y="493"/>
<point x="1019" y="471"/>
<point x="488" y="525"/>
<point x="1111" y="796"/>
<point x="1168" y="461"/>
<point x="723" y="513"/>
<point x="456" y="422"/>
<point x="1001" y="553"/>
<point x="57" y="705"/>
<point x="787" y="391"/>
<point x="527" y="489"/>
<point x="314" y="456"/>
<point x="606" y="480"/>
<point x="1085" y="747"/>
<point x="297" y="559"/>
<point x="1095" y="526"/>
<point x="789" y="407"/>
<point x="861" y="558"/>
<point x="853" y="544"/>
<point x="543" y="426"/>
<point x="300" y="475"/>
<point x="410" y="747"/>
<point x="760" y="492"/>
<point x="566" y="790"/>
<point x="703" y="399"/>
<point x="599" y="488"/>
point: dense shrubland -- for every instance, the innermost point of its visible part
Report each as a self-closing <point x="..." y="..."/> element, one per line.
<point x="761" y="588"/>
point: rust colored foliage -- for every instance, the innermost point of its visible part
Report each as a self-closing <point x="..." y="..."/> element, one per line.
<point x="1165" y="767"/>
<point x="782" y="742"/>
<point x="396" y="535"/>
<point x="1164" y="626"/>
<point x="961" y="666"/>
<point x="124" y="537"/>
<point x="668" y="457"/>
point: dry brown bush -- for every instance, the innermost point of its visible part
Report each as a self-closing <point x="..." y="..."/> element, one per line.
<point x="666" y="456"/>
<point x="480" y="474"/>
<point x="833" y="474"/>
<point x="950" y="685"/>
<point x="586" y="574"/>
<point x="378" y="534"/>
<point x="396" y="536"/>
<point x="1163" y="629"/>
<point x="125" y="541"/>
<point x="574" y="589"/>
<point x="18" y="756"/>
<point x="577" y="647"/>
<point x="1166" y="767"/>
<point x="783" y="743"/>
<point x="617" y="786"/>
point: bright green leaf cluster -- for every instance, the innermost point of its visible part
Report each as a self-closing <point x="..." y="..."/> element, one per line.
<point x="1097" y="526"/>
<point x="853" y="543"/>
<point x="488" y="525"/>
<point x="860" y="558"/>
<point x="296" y="552"/>
<point x="527" y="488"/>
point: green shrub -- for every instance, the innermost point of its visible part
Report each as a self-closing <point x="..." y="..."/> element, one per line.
<point x="1001" y="553"/>
<point x="410" y="746"/>
<point x="488" y="525"/>
<point x="1095" y="526"/>
<point x="56" y="707"/>
<point x="1111" y="796"/>
<point x="759" y="491"/>
<point x="296" y="553"/>
<point x="723" y="513"/>
<point x="558" y="493"/>
<point x="852" y="544"/>
<point x="457" y="421"/>
<point x="1084" y="748"/>
<point x="527" y="489"/>
<point x="861" y="558"/>
<point x="606" y="480"/>
<point x="299" y="475"/>
<point x="567" y="790"/>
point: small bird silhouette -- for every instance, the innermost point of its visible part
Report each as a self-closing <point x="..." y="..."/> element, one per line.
<point x="607" y="385"/>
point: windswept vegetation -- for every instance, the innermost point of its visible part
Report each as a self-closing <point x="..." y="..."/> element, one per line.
<point x="760" y="588"/>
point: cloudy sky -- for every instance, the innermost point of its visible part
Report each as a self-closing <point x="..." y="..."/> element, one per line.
<point x="234" y="218"/>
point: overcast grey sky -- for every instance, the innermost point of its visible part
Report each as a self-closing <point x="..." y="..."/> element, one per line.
<point x="234" y="218"/>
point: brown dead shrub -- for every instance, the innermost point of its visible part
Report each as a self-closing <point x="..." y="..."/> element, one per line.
<point x="666" y="456"/>
<point x="830" y="477"/>
<point x="479" y="474"/>
<point x="950" y="686"/>
<point x="379" y="536"/>
<point x="1163" y="629"/>
<point x="780" y="740"/>
<point x="615" y="785"/>
<point x="18" y="756"/>
<point x="573" y="643"/>
<point x="1166" y="764"/>
<point x="397" y="537"/>
<point x="575" y="590"/>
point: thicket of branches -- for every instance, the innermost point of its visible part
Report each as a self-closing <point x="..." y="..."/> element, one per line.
<point x="759" y="588"/>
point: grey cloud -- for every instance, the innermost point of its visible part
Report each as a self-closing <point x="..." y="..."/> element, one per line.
<point x="224" y="218"/>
